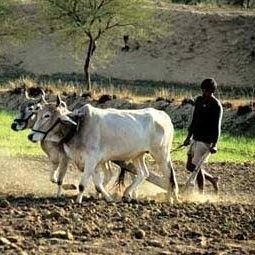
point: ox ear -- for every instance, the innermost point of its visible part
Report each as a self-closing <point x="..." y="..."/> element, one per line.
<point x="67" y="120"/>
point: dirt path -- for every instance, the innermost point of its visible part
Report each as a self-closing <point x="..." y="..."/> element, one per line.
<point x="32" y="222"/>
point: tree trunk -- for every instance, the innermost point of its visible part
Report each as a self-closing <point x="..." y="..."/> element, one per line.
<point x="90" y="51"/>
<point x="87" y="77"/>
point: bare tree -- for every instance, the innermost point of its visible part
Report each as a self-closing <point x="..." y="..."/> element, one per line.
<point x="92" y="20"/>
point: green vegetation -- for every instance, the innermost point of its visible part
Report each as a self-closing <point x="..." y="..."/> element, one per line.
<point x="17" y="24"/>
<point x="92" y="24"/>
<point x="83" y="25"/>
<point x="238" y="3"/>
<point x="231" y="149"/>
<point x="15" y="143"/>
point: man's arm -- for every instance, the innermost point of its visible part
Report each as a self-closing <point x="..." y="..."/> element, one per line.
<point x="191" y="126"/>
<point x="217" y="121"/>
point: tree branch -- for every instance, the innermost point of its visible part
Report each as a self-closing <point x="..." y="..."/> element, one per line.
<point x="102" y="4"/>
<point x="67" y="12"/>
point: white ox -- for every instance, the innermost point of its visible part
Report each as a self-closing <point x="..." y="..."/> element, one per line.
<point x="55" y="151"/>
<point x="109" y="134"/>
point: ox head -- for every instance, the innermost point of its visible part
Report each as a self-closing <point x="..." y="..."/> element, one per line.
<point x="52" y="123"/>
<point x="27" y="112"/>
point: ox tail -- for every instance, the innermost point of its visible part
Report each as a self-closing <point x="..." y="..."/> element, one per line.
<point x="120" y="182"/>
<point x="125" y="167"/>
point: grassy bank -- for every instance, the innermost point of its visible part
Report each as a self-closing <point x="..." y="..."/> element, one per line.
<point x="231" y="148"/>
<point x="15" y="143"/>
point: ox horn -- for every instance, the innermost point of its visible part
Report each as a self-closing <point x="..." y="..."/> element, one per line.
<point x="26" y="94"/>
<point x="59" y="100"/>
<point x="43" y="96"/>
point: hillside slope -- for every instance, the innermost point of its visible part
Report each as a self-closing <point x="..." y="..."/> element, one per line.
<point x="199" y="44"/>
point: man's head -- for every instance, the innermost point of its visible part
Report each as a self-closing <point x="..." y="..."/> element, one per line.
<point x="208" y="87"/>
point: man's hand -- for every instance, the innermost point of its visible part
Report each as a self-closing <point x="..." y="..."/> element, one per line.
<point x="187" y="141"/>
<point x="213" y="149"/>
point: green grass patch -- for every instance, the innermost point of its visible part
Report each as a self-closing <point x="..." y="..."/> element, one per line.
<point x="230" y="148"/>
<point x="15" y="143"/>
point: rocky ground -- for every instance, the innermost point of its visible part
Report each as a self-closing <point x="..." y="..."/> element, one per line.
<point x="33" y="222"/>
<point x="237" y="119"/>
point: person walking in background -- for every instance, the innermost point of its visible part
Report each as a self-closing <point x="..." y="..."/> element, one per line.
<point x="204" y="132"/>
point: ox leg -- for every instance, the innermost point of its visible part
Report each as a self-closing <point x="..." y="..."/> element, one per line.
<point x="62" y="172"/>
<point x="106" y="177"/>
<point x="139" y="178"/>
<point x="108" y="173"/>
<point x="133" y="193"/>
<point x="165" y="165"/>
<point x="168" y="180"/>
<point x="171" y="183"/>
<point x="89" y="168"/>
<point x="174" y="189"/>
<point x="98" y="175"/>
<point x="98" y="181"/>
<point x="53" y="172"/>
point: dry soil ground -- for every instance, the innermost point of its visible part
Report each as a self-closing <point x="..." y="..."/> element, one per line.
<point x="34" y="222"/>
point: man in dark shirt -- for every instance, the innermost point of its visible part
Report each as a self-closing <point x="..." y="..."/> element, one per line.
<point x="204" y="132"/>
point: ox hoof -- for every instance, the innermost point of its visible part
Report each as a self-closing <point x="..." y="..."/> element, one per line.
<point x="97" y="195"/>
<point x="171" y="200"/>
<point x="79" y="199"/>
<point x="59" y="195"/>
<point x="54" y="181"/>
<point x="109" y="199"/>
<point x="53" y="178"/>
<point x="69" y="187"/>
<point x="175" y="196"/>
<point x="127" y="199"/>
<point x="177" y="200"/>
<point x="134" y="195"/>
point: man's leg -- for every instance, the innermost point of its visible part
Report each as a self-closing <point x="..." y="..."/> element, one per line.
<point x="190" y="166"/>
<point x="192" y="162"/>
<point x="196" y="152"/>
<point x="200" y="150"/>
<point x="201" y="181"/>
<point x="200" y="177"/>
<point x="214" y="180"/>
